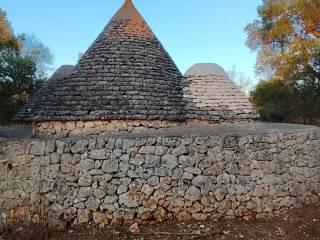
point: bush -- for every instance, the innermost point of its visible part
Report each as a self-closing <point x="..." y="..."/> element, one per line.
<point x="18" y="83"/>
<point x="273" y="100"/>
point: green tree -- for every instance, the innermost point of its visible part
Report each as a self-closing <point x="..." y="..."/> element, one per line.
<point x="17" y="83"/>
<point x="286" y="37"/>
<point x="18" y="78"/>
<point x="273" y="100"/>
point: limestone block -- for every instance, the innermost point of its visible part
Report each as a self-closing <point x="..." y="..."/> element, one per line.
<point x="193" y="194"/>
<point x="169" y="161"/>
<point x="131" y="199"/>
<point x="38" y="148"/>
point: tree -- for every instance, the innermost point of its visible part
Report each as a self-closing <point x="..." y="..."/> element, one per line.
<point x="17" y="83"/>
<point x="240" y="79"/>
<point x="287" y="39"/>
<point x="307" y="103"/>
<point x="18" y="80"/>
<point x="286" y="34"/>
<point x="40" y="53"/>
<point x="7" y="37"/>
<point x="273" y="100"/>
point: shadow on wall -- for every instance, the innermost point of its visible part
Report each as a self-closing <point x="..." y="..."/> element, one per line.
<point x="15" y="131"/>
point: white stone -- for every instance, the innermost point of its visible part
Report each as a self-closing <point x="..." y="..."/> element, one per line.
<point x="193" y="194"/>
<point x="98" y="154"/>
<point x="169" y="161"/>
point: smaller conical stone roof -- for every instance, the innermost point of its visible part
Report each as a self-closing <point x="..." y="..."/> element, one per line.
<point x="62" y="72"/>
<point x="125" y="74"/>
<point x="210" y="95"/>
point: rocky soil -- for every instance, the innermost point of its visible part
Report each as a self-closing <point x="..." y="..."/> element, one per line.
<point x="301" y="224"/>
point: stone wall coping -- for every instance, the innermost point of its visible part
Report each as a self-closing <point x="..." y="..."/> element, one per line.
<point x="238" y="129"/>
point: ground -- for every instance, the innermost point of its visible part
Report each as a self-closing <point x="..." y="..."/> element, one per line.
<point x="299" y="224"/>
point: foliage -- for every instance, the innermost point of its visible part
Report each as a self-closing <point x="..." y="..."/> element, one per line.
<point x="287" y="39"/>
<point x="7" y="37"/>
<point x="286" y="35"/>
<point x="307" y="103"/>
<point x="273" y="100"/>
<point x="17" y="83"/>
<point x="18" y="78"/>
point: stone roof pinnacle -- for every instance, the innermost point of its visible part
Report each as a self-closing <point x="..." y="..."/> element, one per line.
<point x="128" y="11"/>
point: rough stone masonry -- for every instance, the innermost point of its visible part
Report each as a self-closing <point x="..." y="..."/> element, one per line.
<point x="250" y="170"/>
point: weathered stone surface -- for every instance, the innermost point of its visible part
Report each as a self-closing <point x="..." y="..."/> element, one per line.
<point x="138" y="160"/>
<point x="99" y="193"/>
<point x="98" y="154"/>
<point x="55" y="158"/>
<point x="261" y="191"/>
<point x="70" y="213"/>
<point x="147" y="150"/>
<point x="187" y="176"/>
<point x="51" y="146"/>
<point x="160" y="214"/>
<point x="180" y="150"/>
<point x="86" y="165"/>
<point x="152" y="161"/>
<point x="220" y="194"/>
<point x="84" y="216"/>
<point x="85" y="181"/>
<point x="201" y="181"/>
<point x="80" y="146"/>
<point x="134" y="228"/>
<point x="38" y="148"/>
<point x="193" y="170"/>
<point x="100" y="218"/>
<point x="160" y="150"/>
<point x="85" y="192"/>
<point x="110" y="199"/>
<point x="110" y="166"/>
<point x="122" y="189"/>
<point x="153" y="181"/>
<point x="147" y="189"/>
<point x="193" y="194"/>
<point x="169" y="161"/>
<point x="131" y="199"/>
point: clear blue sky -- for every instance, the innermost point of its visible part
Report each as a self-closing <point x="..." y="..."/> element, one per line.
<point x="192" y="31"/>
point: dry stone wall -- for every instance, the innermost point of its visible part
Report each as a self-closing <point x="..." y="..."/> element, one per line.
<point x="99" y="128"/>
<point x="62" y="129"/>
<point x="159" y="176"/>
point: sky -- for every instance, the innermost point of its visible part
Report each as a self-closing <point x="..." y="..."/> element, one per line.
<point x="192" y="31"/>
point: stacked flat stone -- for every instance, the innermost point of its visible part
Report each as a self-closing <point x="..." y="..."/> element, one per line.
<point x="125" y="75"/>
<point x="236" y="170"/>
<point x="210" y="95"/>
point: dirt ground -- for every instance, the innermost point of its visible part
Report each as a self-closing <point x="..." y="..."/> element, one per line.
<point x="301" y="224"/>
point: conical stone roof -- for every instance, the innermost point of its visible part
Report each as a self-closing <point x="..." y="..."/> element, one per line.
<point x="210" y="95"/>
<point x="125" y="74"/>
